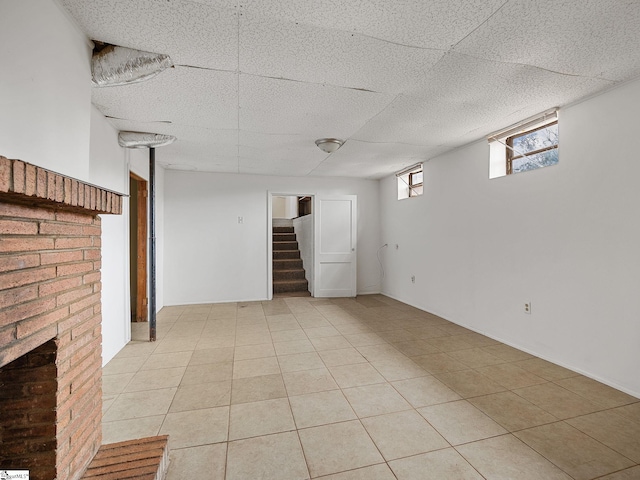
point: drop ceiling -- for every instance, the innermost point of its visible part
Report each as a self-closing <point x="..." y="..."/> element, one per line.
<point x="255" y="83"/>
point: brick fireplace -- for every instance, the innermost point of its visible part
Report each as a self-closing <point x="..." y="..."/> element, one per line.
<point x="50" y="320"/>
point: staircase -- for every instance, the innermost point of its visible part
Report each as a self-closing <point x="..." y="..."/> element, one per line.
<point x="288" y="274"/>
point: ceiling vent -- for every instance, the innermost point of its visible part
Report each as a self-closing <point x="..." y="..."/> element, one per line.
<point x="144" y="140"/>
<point x="113" y="65"/>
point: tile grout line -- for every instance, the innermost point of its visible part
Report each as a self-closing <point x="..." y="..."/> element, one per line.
<point x="402" y="325"/>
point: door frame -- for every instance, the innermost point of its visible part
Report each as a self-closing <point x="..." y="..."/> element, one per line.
<point x="270" y="195"/>
<point x="140" y="314"/>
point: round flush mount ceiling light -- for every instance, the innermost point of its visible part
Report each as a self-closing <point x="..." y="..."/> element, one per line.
<point x="329" y="145"/>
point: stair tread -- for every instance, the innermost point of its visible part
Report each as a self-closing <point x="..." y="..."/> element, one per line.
<point x="288" y="274"/>
<point x="291" y="266"/>
<point x="286" y="255"/>
<point x="299" y="293"/>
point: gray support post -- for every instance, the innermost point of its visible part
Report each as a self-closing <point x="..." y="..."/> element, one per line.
<point x="152" y="248"/>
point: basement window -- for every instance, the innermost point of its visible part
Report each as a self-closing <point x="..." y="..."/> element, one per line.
<point x="530" y="145"/>
<point x="410" y="182"/>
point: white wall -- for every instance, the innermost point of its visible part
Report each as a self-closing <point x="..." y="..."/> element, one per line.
<point x="107" y="160"/>
<point x="291" y="207"/>
<point x="285" y="207"/>
<point x="45" y="87"/>
<point x="108" y="168"/>
<point x="279" y="207"/>
<point x="160" y="173"/>
<point x="565" y="238"/>
<point x="303" y="227"/>
<point x="210" y="257"/>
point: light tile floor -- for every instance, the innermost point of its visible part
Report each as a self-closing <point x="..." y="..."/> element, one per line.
<point x="359" y="389"/>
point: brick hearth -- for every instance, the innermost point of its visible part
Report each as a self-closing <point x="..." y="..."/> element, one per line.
<point x="50" y="320"/>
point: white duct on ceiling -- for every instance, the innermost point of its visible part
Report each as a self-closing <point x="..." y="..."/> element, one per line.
<point x="144" y="140"/>
<point x="115" y="65"/>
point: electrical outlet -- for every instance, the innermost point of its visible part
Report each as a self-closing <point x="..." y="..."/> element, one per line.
<point x="413" y="279"/>
<point x="527" y="308"/>
<point x="240" y="219"/>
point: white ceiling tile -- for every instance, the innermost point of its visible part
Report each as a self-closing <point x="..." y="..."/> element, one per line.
<point x="281" y="106"/>
<point x="280" y="146"/>
<point x="269" y="154"/>
<point x="203" y="34"/>
<point x="474" y="83"/>
<point x="198" y="157"/>
<point x="401" y="81"/>
<point x="427" y="24"/>
<point x="586" y="37"/>
<point x="466" y="95"/>
<point x="277" y="140"/>
<point x="228" y="4"/>
<point x="265" y="166"/>
<point x="411" y="120"/>
<point x="207" y="153"/>
<point x="324" y="55"/>
<point x="187" y="96"/>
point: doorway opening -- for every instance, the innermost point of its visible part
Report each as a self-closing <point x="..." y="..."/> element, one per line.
<point x="291" y="245"/>
<point x="328" y="244"/>
<point x="138" y="194"/>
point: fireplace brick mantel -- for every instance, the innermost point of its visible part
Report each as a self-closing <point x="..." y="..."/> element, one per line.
<point x="32" y="185"/>
<point x="50" y="259"/>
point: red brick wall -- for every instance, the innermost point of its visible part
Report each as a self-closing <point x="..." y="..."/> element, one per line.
<point x="50" y="291"/>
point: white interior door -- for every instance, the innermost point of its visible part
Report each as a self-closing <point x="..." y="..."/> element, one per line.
<point x="335" y="246"/>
